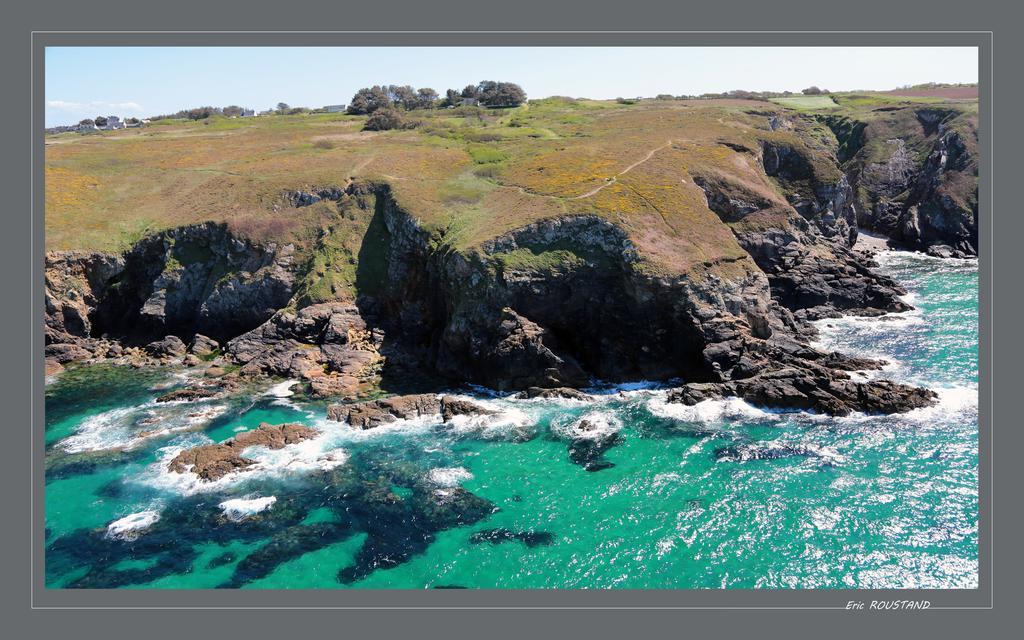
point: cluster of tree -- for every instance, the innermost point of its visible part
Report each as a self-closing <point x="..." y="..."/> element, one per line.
<point x="492" y="94"/>
<point x="815" y="91"/>
<point x="938" y="85"/>
<point x="406" y="98"/>
<point x="284" y="109"/>
<point x="196" y="113"/>
<point x="101" y="121"/>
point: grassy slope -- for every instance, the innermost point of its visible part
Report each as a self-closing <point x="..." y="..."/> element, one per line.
<point x="472" y="173"/>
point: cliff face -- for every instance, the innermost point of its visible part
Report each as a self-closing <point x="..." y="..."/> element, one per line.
<point x="557" y="302"/>
<point x="914" y="170"/>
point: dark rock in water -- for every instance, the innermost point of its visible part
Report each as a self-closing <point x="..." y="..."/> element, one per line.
<point x="451" y="407"/>
<point x="589" y="445"/>
<point x="398" y="531"/>
<point x="169" y="347"/>
<point x="449" y="586"/>
<point x="286" y="545"/>
<point x="373" y="413"/>
<point x="794" y="377"/>
<point x="214" y="461"/>
<point x="186" y="395"/>
<point x="557" y="392"/>
<point x="225" y="558"/>
<point x="497" y="536"/>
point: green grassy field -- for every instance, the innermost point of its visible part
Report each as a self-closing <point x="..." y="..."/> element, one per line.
<point x="469" y="173"/>
<point x="807" y="103"/>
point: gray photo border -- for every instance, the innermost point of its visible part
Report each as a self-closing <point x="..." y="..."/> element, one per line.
<point x="574" y="30"/>
<point x="681" y="599"/>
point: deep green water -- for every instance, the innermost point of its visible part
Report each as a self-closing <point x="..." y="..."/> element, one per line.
<point x="718" y="495"/>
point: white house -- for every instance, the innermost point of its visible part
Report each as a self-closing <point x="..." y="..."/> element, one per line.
<point x="248" y="113"/>
<point x="468" y="102"/>
<point x="113" y="122"/>
<point x="334" y="108"/>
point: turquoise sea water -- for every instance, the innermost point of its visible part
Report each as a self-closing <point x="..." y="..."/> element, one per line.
<point x="718" y="495"/>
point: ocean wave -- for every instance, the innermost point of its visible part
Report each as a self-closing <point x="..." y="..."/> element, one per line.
<point x="282" y="390"/>
<point x="238" y="509"/>
<point x="724" y="410"/>
<point x="774" y="449"/>
<point x="128" y="427"/>
<point x="594" y="425"/>
<point x="449" y="476"/>
<point x="132" y="525"/>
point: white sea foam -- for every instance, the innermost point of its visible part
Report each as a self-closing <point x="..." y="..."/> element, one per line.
<point x="449" y="476"/>
<point x="599" y="425"/>
<point x="238" y="509"/>
<point x="100" y="431"/>
<point x="509" y="417"/>
<point x="774" y="448"/>
<point x="282" y="390"/>
<point x="952" y="401"/>
<point x="127" y="427"/>
<point x="132" y="526"/>
<point x="707" y="411"/>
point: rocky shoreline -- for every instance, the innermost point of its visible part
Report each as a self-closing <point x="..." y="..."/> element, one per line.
<point x="431" y="316"/>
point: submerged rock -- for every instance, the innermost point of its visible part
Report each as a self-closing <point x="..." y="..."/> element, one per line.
<point x="214" y="461"/>
<point x="186" y="395"/>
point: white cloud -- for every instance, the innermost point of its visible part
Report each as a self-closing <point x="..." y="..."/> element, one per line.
<point x="64" y="105"/>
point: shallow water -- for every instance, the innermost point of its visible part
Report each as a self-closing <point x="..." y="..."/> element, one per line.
<point x="718" y="495"/>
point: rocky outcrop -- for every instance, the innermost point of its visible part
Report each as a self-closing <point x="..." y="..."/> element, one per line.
<point x="214" y="461"/>
<point x="169" y="347"/>
<point x="813" y="185"/>
<point x="589" y="443"/>
<point x="203" y="346"/>
<point x="329" y="345"/>
<point x="374" y="413"/>
<point x="567" y="393"/>
<point x="790" y="376"/>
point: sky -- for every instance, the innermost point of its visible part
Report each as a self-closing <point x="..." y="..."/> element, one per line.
<point x="83" y="82"/>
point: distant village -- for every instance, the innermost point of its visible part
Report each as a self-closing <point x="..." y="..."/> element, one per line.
<point x="113" y="123"/>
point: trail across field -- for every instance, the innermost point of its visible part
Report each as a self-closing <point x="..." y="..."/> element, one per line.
<point x="614" y="179"/>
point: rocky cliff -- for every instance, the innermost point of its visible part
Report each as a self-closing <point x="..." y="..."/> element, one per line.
<point x="914" y="172"/>
<point x="558" y="302"/>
